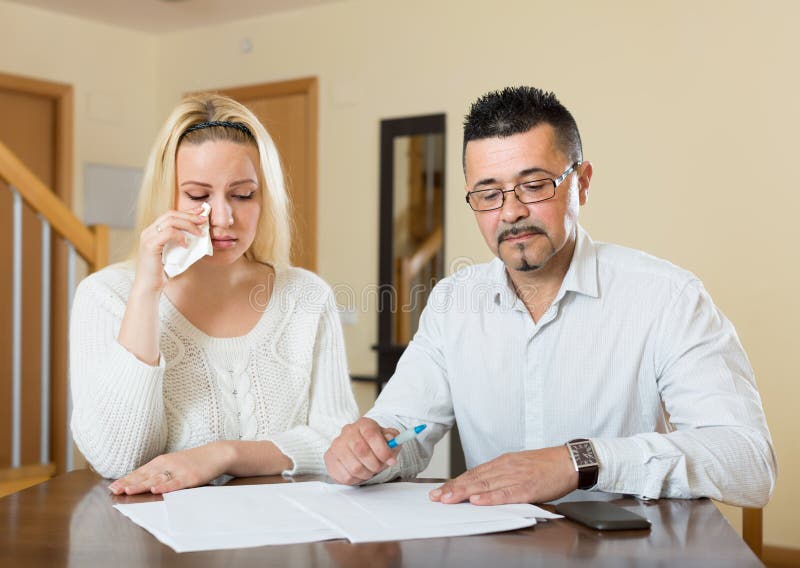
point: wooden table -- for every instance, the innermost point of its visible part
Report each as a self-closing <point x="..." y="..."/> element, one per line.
<point x="69" y="521"/>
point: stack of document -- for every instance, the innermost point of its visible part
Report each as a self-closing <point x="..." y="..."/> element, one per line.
<point x="212" y="518"/>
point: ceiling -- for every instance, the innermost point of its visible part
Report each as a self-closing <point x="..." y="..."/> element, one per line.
<point x="158" y="16"/>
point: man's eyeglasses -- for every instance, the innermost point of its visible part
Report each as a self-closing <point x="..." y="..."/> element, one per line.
<point x="531" y="191"/>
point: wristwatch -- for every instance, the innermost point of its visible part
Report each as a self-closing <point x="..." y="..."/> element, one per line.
<point x="585" y="461"/>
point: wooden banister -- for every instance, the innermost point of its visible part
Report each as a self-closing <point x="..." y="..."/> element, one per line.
<point x="407" y="268"/>
<point x="91" y="244"/>
<point x="100" y="247"/>
<point x="424" y="253"/>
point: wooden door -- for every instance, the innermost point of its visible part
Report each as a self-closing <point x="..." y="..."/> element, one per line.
<point x="35" y="123"/>
<point x="289" y="112"/>
<point x="26" y="127"/>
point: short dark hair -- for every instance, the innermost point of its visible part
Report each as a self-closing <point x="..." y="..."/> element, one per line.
<point x="515" y="110"/>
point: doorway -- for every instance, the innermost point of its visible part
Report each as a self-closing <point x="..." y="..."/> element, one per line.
<point x="288" y="110"/>
<point x="35" y="124"/>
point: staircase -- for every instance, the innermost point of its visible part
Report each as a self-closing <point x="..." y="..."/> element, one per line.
<point x="35" y="442"/>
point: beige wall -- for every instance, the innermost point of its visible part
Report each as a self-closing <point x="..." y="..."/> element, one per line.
<point x="113" y="75"/>
<point x="687" y="109"/>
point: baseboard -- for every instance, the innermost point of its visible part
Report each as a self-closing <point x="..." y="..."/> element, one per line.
<point x="780" y="557"/>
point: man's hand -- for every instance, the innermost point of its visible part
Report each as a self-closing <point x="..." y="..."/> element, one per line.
<point x="532" y="476"/>
<point x="360" y="452"/>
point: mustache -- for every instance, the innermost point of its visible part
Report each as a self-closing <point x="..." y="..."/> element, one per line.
<point x="519" y="230"/>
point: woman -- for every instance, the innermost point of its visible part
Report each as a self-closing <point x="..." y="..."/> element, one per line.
<point x="235" y="366"/>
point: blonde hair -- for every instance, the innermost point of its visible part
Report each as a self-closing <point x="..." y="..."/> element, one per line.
<point x="158" y="192"/>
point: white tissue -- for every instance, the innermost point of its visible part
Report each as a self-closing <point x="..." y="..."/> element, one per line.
<point x="177" y="259"/>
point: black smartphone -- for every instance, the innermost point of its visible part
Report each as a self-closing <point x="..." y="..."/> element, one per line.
<point x="602" y="516"/>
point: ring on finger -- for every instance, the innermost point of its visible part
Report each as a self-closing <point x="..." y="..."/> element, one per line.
<point x="168" y="474"/>
<point x="158" y="228"/>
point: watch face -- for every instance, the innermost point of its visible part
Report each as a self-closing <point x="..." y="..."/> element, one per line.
<point x="583" y="453"/>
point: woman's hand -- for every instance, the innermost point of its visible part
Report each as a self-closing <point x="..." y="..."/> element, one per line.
<point x="179" y="470"/>
<point x="150" y="275"/>
<point x="139" y="331"/>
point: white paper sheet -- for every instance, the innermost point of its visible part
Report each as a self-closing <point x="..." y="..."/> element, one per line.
<point x="400" y="511"/>
<point x="402" y="494"/>
<point x="210" y="518"/>
<point x="153" y="518"/>
<point x="237" y="508"/>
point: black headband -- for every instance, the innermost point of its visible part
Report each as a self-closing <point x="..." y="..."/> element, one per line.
<point x="201" y="125"/>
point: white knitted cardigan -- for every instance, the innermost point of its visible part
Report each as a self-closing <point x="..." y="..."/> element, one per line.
<point x="285" y="381"/>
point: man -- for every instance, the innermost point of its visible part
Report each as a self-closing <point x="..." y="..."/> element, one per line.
<point x="559" y="359"/>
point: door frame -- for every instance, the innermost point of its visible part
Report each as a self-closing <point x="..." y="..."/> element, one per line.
<point x="308" y="86"/>
<point x="62" y="96"/>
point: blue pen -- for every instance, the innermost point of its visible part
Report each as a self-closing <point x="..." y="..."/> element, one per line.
<point x="404" y="437"/>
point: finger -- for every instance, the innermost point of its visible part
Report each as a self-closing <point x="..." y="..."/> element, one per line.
<point x="193" y="211"/>
<point x="147" y="484"/>
<point x="191" y="225"/>
<point x="390" y="433"/>
<point x="118" y="486"/>
<point x="509" y="494"/>
<point x="340" y="459"/>
<point x="334" y="468"/>
<point x="187" y="225"/>
<point x="174" y="235"/>
<point x="174" y="219"/>
<point x="356" y="448"/>
<point x="437" y="493"/>
<point x="364" y="453"/>
<point x="188" y="215"/>
<point x="443" y="493"/>
<point x="490" y="469"/>
<point x="342" y="475"/>
<point x="470" y="483"/>
<point x="155" y="241"/>
<point x="340" y="454"/>
<point x="375" y="437"/>
<point x="170" y="235"/>
<point x="447" y="487"/>
<point x="355" y="471"/>
<point x="133" y="478"/>
<point x="355" y="452"/>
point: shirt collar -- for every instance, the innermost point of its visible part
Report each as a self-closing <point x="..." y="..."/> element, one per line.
<point x="504" y="294"/>
<point x="581" y="275"/>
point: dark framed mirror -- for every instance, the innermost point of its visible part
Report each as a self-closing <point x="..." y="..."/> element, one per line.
<point x="411" y="246"/>
<point x="412" y="181"/>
